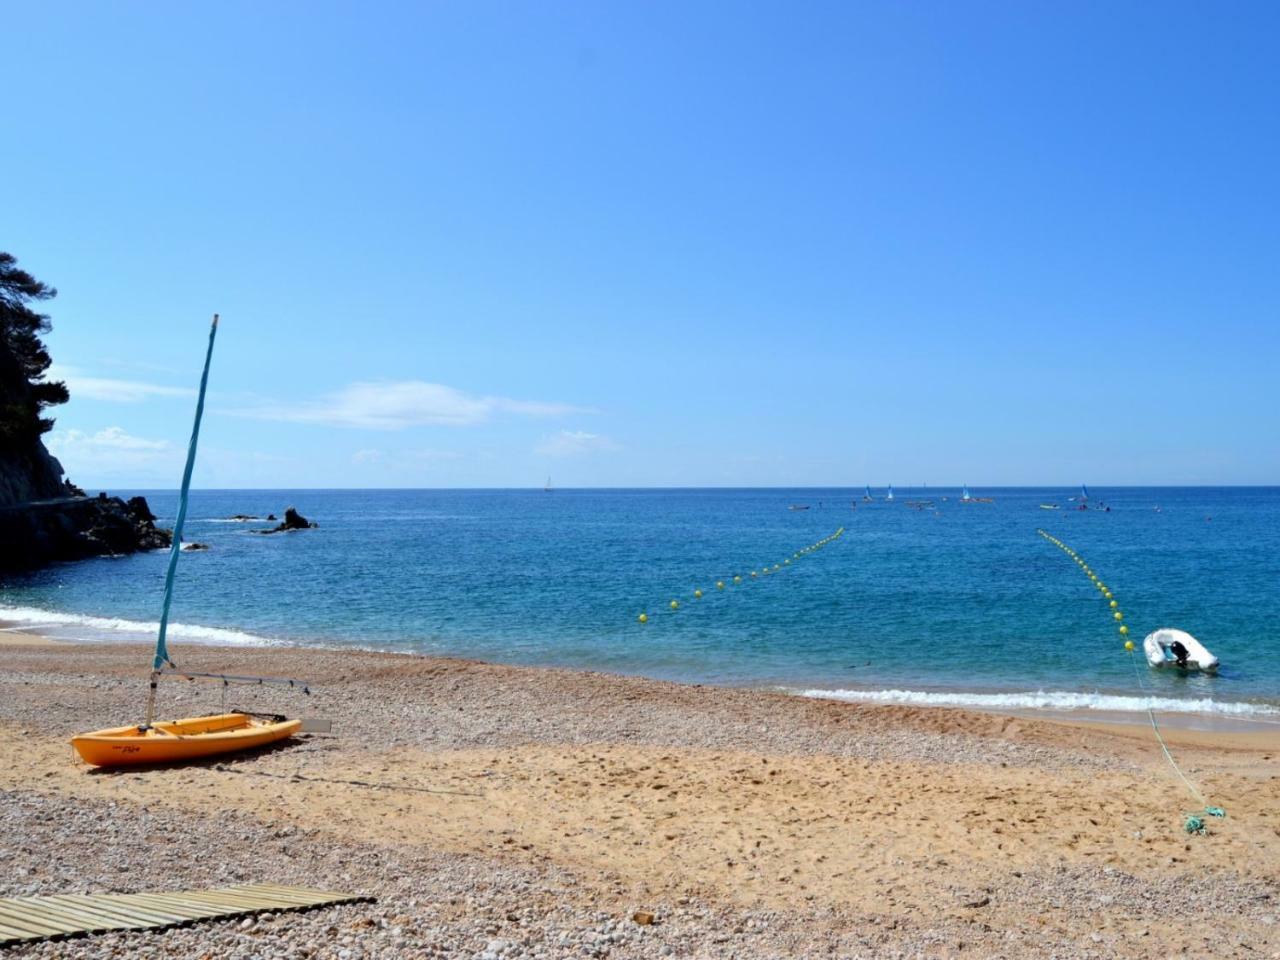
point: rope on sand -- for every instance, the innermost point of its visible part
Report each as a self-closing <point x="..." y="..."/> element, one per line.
<point x="1193" y="822"/>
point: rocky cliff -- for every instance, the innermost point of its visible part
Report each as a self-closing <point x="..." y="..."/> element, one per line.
<point x="44" y="518"/>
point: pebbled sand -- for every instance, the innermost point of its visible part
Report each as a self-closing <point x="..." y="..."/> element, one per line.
<point x="932" y="827"/>
<point x="9" y="638"/>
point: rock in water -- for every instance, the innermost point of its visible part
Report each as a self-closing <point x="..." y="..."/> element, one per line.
<point x="293" y="520"/>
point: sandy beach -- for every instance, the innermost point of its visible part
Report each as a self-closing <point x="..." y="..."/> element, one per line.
<point x="513" y="812"/>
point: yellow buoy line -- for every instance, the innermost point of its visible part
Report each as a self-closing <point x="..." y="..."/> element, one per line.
<point x="1112" y="603"/>
<point x="1194" y="822"/>
<point x="767" y="570"/>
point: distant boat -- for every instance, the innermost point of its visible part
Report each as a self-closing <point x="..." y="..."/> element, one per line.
<point x="547" y="488"/>
<point x="966" y="498"/>
<point x="889" y="495"/>
<point x="798" y="506"/>
<point x="1048" y="506"/>
<point x="867" y="496"/>
<point x="1084" y="493"/>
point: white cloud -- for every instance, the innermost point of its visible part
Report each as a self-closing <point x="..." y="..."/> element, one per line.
<point x="395" y="405"/>
<point x="110" y="438"/>
<point x="568" y="443"/>
<point x="111" y="389"/>
<point x="110" y="453"/>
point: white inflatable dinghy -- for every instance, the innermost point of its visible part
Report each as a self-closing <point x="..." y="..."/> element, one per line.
<point x="1158" y="648"/>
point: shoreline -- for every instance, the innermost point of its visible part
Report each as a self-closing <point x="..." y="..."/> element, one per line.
<point x="543" y="807"/>
<point x="14" y="633"/>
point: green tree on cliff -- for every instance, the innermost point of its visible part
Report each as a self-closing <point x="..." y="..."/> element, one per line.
<point x="24" y="393"/>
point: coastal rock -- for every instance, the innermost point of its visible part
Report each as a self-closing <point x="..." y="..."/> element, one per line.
<point x="194" y="546"/>
<point x="34" y="534"/>
<point x="293" y="520"/>
<point x="139" y="508"/>
<point x="242" y="517"/>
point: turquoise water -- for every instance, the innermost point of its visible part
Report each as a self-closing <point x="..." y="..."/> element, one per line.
<point x="945" y="603"/>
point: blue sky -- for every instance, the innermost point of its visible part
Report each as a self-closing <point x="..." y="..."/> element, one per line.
<point x="655" y="243"/>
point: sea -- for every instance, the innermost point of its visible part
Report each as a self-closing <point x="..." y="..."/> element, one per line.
<point x="923" y="599"/>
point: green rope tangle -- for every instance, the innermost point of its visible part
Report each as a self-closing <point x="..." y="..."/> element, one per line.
<point x="738" y="579"/>
<point x="1195" y="822"/>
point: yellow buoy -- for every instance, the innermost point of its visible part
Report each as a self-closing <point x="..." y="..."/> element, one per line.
<point x="697" y="593"/>
<point x="1119" y="615"/>
<point x="1128" y="645"/>
<point x="643" y="618"/>
<point x="1114" y="604"/>
<point x="719" y="584"/>
<point x="675" y="604"/>
<point x="1124" y="631"/>
<point x="737" y="579"/>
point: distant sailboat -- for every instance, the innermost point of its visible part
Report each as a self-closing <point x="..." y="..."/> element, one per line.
<point x="1084" y="492"/>
<point x="964" y="494"/>
<point x="547" y="488"/>
<point x="867" y="496"/>
<point x="889" y="495"/>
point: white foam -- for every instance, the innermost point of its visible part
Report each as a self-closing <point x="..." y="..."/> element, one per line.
<point x="1048" y="700"/>
<point x="80" y="627"/>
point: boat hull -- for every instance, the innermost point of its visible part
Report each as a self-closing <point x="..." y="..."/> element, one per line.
<point x="178" y="741"/>
<point x="1156" y="647"/>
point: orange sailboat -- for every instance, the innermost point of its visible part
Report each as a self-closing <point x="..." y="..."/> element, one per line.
<point x="175" y="741"/>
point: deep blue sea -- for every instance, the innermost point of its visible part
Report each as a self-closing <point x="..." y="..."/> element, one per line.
<point x="947" y="602"/>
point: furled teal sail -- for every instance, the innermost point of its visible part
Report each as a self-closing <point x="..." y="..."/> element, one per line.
<point x="162" y="651"/>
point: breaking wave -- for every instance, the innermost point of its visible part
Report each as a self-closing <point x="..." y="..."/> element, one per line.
<point x="1048" y="700"/>
<point x="80" y="627"/>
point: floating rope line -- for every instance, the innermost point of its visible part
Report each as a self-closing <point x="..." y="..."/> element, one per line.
<point x="1194" y="822"/>
<point x="738" y="579"/>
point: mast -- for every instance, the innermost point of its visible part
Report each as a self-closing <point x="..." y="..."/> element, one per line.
<point x="162" y="650"/>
